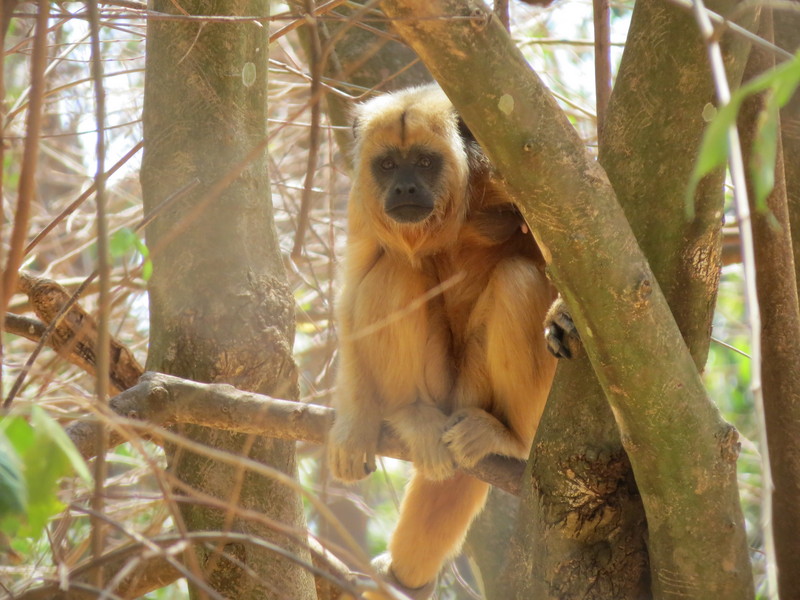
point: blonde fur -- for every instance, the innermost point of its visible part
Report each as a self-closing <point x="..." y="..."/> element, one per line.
<point x="440" y="330"/>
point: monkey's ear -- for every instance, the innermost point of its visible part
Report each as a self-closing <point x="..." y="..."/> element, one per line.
<point x="464" y="131"/>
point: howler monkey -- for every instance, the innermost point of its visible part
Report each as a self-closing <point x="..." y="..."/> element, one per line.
<point x="440" y="322"/>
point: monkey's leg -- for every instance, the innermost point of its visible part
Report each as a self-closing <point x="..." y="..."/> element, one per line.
<point x="434" y="519"/>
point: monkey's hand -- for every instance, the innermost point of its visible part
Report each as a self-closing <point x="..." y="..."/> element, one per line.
<point x="420" y="426"/>
<point x="563" y="340"/>
<point x="351" y="449"/>
<point x="473" y="433"/>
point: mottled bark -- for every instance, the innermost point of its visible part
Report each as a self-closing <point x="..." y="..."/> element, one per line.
<point x="582" y="529"/>
<point x="696" y="532"/>
<point x="220" y="307"/>
<point x="780" y="336"/>
<point x="488" y="539"/>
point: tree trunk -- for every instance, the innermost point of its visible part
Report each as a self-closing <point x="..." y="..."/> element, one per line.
<point x="582" y="530"/>
<point x="696" y="542"/>
<point x="220" y="307"/>
<point x="780" y="335"/>
<point x="595" y="548"/>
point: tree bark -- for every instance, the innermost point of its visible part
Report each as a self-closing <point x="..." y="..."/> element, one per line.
<point x="780" y="334"/>
<point x="696" y="531"/>
<point x="220" y="307"/>
<point x="787" y="36"/>
<point x="582" y="530"/>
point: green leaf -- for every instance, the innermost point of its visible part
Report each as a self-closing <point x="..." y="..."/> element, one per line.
<point x="147" y="269"/>
<point x="19" y="433"/>
<point x="763" y="156"/>
<point x="782" y="82"/>
<point x="126" y="241"/>
<point x="13" y="491"/>
<point x="787" y="83"/>
<point x="122" y="242"/>
<point x="713" y="150"/>
<point x="49" y="427"/>
<point x="46" y="454"/>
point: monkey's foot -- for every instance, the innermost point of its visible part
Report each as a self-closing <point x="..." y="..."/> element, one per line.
<point x="383" y="565"/>
<point x="563" y="340"/>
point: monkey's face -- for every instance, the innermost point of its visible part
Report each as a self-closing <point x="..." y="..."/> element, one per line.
<point x="410" y="180"/>
<point x="411" y="171"/>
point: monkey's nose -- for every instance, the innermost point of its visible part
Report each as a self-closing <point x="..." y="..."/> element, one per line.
<point x="410" y="189"/>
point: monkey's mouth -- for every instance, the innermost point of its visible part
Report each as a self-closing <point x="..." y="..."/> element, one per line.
<point x="409" y="213"/>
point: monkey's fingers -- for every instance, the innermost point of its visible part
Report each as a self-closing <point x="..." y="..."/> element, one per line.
<point x="350" y="464"/>
<point x="563" y="340"/>
<point x="473" y="433"/>
<point x="369" y="463"/>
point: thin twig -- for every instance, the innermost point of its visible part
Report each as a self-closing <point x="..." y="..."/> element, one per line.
<point x="30" y="158"/>
<point x="103" y="349"/>
<point x="316" y="63"/>
<point x="602" y="60"/>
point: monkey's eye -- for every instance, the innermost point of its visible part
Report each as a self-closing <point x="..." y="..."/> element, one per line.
<point x="387" y="164"/>
<point x="424" y="162"/>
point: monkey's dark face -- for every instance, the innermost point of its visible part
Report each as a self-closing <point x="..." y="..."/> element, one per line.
<point x="409" y="180"/>
<point x="410" y="189"/>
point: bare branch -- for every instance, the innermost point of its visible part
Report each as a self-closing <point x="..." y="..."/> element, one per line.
<point x="165" y="400"/>
<point x="75" y="336"/>
<point x="27" y="178"/>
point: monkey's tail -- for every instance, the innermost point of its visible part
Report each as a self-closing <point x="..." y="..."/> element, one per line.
<point x="434" y="519"/>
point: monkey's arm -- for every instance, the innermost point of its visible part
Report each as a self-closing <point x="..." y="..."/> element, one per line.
<point x="506" y="371"/>
<point x="353" y="439"/>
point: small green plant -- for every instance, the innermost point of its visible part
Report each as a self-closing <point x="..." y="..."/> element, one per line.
<point x="124" y="241"/>
<point x="35" y="453"/>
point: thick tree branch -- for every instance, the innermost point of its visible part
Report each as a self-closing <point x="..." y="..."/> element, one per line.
<point x="164" y="400"/>
<point x="696" y="528"/>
